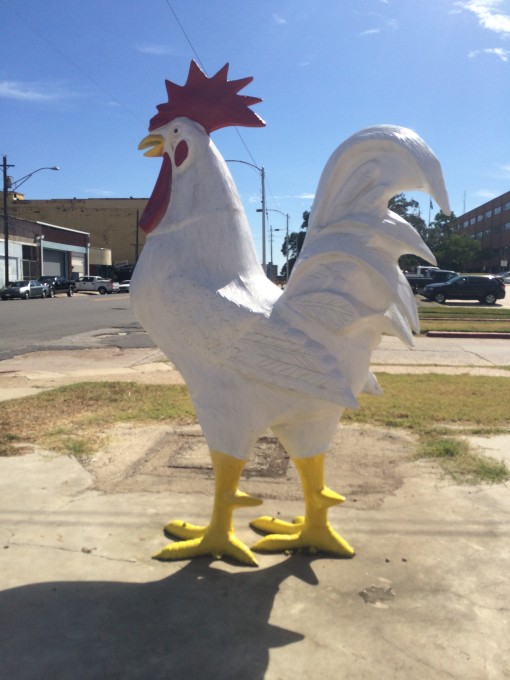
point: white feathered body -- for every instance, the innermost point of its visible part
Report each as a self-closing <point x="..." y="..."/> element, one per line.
<point x="256" y="358"/>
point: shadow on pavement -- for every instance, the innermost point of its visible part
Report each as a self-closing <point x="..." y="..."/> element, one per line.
<point x="200" y="622"/>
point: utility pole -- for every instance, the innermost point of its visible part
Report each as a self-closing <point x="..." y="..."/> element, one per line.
<point x="11" y="184"/>
<point x="6" y="187"/>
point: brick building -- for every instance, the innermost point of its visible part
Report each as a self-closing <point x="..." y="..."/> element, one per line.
<point x="490" y="224"/>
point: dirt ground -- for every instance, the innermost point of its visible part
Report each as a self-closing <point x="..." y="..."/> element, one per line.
<point x="159" y="458"/>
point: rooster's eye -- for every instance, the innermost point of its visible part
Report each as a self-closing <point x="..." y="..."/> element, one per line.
<point x="176" y="130"/>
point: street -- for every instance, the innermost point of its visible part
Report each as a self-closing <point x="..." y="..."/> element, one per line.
<point x="80" y="322"/>
<point x="87" y="321"/>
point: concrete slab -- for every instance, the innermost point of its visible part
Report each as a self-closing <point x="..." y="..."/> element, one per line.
<point x="80" y="597"/>
<point x="425" y="597"/>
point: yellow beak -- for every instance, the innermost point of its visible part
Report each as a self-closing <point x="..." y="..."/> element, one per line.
<point x="154" y="144"/>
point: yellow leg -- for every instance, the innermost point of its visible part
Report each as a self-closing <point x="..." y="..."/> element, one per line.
<point x="218" y="538"/>
<point x="313" y="531"/>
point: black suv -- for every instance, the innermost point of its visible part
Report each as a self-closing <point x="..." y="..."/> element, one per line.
<point x="485" y="289"/>
<point x="58" y="284"/>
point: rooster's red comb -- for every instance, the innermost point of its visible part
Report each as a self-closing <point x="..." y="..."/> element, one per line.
<point x="213" y="102"/>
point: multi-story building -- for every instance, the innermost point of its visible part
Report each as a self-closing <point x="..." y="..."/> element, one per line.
<point x="111" y="222"/>
<point x="490" y="224"/>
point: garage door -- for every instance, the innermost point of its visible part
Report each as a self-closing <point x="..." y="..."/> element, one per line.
<point x="77" y="265"/>
<point x="54" y="263"/>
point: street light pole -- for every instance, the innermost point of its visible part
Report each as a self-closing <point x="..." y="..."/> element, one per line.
<point x="286" y="215"/>
<point x="6" y="184"/>
<point x="262" y="173"/>
<point x="9" y="184"/>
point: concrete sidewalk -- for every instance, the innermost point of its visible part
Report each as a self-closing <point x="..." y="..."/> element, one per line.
<point x="426" y="596"/>
<point x="30" y="373"/>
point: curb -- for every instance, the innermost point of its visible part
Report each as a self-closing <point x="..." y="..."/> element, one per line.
<point x="467" y="334"/>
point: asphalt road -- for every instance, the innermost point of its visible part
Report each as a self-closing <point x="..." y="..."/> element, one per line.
<point x="84" y="321"/>
<point x="80" y="322"/>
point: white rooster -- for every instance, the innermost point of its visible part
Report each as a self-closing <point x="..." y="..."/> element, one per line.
<point x="253" y="357"/>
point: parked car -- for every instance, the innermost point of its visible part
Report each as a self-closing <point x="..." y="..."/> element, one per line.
<point x="429" y="275"/>
<point x="124" y="286"/>
<point x="96" y="284"/>
<point x="58" y="284"/>
<point x="24" y="290"/>
<point x="505" y="276"/>
<point x="485" y="289"/>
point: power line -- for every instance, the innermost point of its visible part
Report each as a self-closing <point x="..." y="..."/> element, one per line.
<point x="186" y="36"/>
<point x="75" y="65"/>
<point x="205" y="71"/>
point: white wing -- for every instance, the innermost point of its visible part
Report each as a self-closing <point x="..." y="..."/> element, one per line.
<point x="346" y="284"/>
<point x="244" y="337"/>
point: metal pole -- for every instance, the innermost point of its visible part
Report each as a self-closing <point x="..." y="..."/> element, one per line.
<point x="287" y="251"/>
<point x="13" y="185"/>
<point x="263" y="178"/>
<point x="137" y="242"/>
<point x="263" y="210"/>
<point x="6" y="222"/>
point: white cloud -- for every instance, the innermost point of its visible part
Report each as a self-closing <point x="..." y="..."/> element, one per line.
<point x="503" y="171"/>
<point x="504" y="55"/>
<point x="105" y="193"/>
<point x="390" y="25"/>
<point x="279" y="19"/>
<point x="158" y="50"/>
<point x="487" y="193"/>
<point x="31" y="92"/>
<point x="486" y="11"/>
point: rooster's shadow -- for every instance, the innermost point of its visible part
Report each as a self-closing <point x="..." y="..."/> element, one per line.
<point x="199" y="622"/>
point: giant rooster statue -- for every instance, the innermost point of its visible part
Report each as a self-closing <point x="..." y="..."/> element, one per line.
<point x="255" y="357"/>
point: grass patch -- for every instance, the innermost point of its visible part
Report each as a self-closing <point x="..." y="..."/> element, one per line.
<point x="71" y="419"/>
<point x="430" y="310"/>
<point x="437" y="403"/>
<point x="465" y="326"/>
<point x="75" y="419"/>
<point x="465" y="319"/>
<point x="458" y="460"/>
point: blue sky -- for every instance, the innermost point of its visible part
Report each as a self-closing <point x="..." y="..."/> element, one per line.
<point x="79" y="82"/>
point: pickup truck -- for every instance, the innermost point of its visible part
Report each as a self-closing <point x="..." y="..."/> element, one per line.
<point x="95" y="284"/>
<point x="429" y="275"/>
<point x="58" y="284"/>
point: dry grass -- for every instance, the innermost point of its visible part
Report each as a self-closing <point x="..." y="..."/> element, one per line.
<point x="74" y="419"/>
<point x="456" y="458"/>
<point x="438" y="403"/>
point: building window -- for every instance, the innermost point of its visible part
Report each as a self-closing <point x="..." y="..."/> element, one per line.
<point x="488" y="213"/>
<point x="479" y="218"/>
<point x="507" y="226"/>
<point x="466" y="223"/>
<point x="497" y="210"/>
<point x="472" y="220"/>
<point x="506" y="206"/>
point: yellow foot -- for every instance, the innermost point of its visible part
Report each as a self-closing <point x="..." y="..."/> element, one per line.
<point x="271" y="525"/>
<point x="218" y="539"/>
<point x="210" y="543"/>
<point x="300" y="535"/>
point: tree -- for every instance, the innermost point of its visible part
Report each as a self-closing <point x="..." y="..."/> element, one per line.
<point x="458" y="252"/>
<point x="409" y="209"/>
<point x="294" y="243"/>
<point x="452" y="250"/>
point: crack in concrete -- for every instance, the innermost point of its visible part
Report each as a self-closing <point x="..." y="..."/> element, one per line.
<point x="84" y="550"/>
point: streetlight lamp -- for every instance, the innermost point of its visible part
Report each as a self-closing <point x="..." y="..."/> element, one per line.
<point x="11" y="185"/>
<point x="287" y="235"/>
<point x="262" y="173"/>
